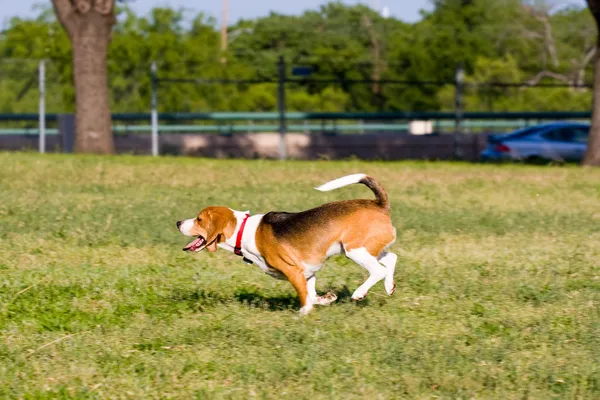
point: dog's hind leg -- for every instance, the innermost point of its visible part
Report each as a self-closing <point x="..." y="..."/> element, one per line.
<point x="389" y="261"/>
<point x="366" y="260"/>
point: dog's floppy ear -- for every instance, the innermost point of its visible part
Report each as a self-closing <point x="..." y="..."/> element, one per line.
<point x="221" y="221"/>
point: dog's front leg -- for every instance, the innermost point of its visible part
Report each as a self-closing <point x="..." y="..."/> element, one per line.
<point x="295" y="275"/>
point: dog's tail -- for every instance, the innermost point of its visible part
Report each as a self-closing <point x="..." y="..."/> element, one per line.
<point x="380" y="193"/>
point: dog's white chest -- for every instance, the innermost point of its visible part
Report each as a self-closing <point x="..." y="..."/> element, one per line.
<point x="249" y="246"/>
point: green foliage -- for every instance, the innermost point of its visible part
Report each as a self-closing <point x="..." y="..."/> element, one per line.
<point x="489" y="98"/>
<point x="498" y="284"/>
<point x="500" y="41"/>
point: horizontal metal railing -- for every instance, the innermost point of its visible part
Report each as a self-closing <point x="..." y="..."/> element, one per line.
<point x="367" y="116"/>
<point x="227" y="122"/>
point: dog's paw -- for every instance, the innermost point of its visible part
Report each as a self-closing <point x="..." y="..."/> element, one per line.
<point x="391" y="288"/>
<point x="359" y="296"/>
<point x="306" y="309"/>
<point x="326" y="299"/>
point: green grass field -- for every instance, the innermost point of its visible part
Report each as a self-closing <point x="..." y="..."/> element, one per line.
<point x="498" y="284"/>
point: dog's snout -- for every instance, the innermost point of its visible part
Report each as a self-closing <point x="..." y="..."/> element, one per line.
<point x="179" y="224"/>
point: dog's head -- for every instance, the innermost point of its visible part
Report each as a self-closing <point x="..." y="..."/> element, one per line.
<point x="212" y="226"/>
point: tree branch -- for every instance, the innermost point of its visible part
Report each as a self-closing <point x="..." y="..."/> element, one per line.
<point x="376" y="52"/>
<point x="83" y="6"/>
<point x="541" y="11"/>
<point x="589" y="57"/>
<point x="549" y="38"/>
<point x="536" y="79"/>
<point x="104" y="7"/>
<point x="64" y="11"/>
<point x="532" y="35"/>
<point x="580" y="72"/>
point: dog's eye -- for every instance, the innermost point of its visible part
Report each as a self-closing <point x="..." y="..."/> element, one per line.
<point x="197" y="219"/>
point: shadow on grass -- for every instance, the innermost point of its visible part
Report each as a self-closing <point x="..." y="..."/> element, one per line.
<point x="254" y="298"/>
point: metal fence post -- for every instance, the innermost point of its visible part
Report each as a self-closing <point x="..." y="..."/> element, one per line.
<point x="66" y="130"/>
<point x="154" y="111"/>
<point x="281" y="100"/>
<point x="42" y="106"/>
<point x="460" y="78"/>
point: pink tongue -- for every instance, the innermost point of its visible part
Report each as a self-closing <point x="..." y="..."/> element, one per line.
<point x="196" y="243"/>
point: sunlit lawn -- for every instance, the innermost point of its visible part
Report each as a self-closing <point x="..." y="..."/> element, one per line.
<point x="498" y="284"/>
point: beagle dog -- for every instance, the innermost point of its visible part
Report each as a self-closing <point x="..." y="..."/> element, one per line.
<point x="294" y="246"/>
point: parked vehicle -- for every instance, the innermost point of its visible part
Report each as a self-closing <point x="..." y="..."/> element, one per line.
<point x="558" y="141"/>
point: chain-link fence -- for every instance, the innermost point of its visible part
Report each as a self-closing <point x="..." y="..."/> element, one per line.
<point x="30" y="90"/>
<point x="228" y="99"/>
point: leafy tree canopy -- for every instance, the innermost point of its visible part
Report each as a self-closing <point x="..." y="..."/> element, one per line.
<point x="500" y="41"/>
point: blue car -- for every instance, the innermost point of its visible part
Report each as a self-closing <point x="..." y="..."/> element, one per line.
<point x="558" y="141"/>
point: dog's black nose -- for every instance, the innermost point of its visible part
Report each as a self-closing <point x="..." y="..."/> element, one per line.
<point x="179" y="224"/>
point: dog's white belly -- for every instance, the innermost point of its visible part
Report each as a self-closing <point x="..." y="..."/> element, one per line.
<point x="310" y="270"/>
<point x="334" y="250"/>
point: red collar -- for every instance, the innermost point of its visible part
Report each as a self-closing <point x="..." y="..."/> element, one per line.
<point x="237" y="250"/>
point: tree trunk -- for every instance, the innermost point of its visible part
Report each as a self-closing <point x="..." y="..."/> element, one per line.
<point x="93" y="119"/>
<point x="376" y="76"/>
<point x="89" y="24"/>
<point x="592" y="154"/>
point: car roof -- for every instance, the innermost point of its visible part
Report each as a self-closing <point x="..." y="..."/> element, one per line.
<point x="559" y="124"/>
<point x="522" y="132"/>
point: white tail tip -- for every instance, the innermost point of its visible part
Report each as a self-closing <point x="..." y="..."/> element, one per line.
<point x="341" y="182"/>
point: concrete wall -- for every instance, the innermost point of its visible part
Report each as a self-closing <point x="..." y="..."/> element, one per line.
<point x="383" y="146"/>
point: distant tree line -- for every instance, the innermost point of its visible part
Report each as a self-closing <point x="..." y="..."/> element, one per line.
<point x="496" y="41"/>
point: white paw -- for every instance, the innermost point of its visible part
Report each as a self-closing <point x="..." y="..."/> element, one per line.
<point x="358" y="296"/>
<point x="327" y="299"/>
<point x="390" y="287"/>
<point x="306" y="309"/>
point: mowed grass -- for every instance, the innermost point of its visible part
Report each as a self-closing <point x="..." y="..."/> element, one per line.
<point x="498" y="284"/>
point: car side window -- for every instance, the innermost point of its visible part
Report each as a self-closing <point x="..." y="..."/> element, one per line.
<point x="569" y="134"/>
<point x="580" y="135"/>
<point x="556" y="135"/>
